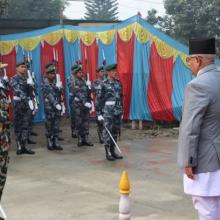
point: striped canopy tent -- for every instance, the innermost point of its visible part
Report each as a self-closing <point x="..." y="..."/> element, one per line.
<point x="151" y="65"/>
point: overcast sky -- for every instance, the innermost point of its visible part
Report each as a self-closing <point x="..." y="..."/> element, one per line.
<point x="127" y="8"/>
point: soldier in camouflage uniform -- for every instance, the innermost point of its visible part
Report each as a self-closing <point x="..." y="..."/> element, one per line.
<point x="110" y="101"/>
<point x="4" y="127"/>
<point x="96" y="90"/>
<point x="22" y="111"/>
<point x="52" y="108"/>
<point x="81" y="107"/>
<point x="70" y="84"/>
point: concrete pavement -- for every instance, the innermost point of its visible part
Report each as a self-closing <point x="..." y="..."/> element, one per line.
<point x="79" y="184"/>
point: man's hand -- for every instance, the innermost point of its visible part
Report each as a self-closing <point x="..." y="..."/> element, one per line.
<point x="189" y="172"/>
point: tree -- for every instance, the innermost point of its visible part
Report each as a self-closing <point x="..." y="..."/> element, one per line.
<point x="193" y="18"/>
<point x="101" y="9"/>
<point x="35" y="9"/>
<point x="3" y="7"/>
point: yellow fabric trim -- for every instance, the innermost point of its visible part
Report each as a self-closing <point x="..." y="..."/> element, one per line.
<point x="6" y="47"/>
<point x="70" y="35"/>
<point x="29" y="44"/>
<point x="53" y="37"/>
<point x="126" y="33"/>
<point x="141" y="33"/>
<point x="107" y="37"/>
<point x="88" y="37"/>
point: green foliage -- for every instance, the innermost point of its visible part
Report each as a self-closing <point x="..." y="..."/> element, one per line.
<point x="187" y="19"/>
<point x="35" y="9"/>
<point x="101" y="9"/>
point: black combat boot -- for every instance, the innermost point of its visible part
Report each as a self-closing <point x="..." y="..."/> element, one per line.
<point x="74" y="135"/>
<point x="26" y="150"/>
<point x="116" y="156"/>
<point x="50" y="143"/>
<point x="60" y="139"/>
<point x="86" y="141"/>
<point x="19" y="150"/>
<point x="108" y="153"/>
<point x="80" y="141"/>
<point x="56" y="145"/>
<point x="29" y="141"/>
<point x="33" y="133"/>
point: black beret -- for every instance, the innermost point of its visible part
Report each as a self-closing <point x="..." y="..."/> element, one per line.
<point x="20" y="63"/>
<point x="50" y="68"/>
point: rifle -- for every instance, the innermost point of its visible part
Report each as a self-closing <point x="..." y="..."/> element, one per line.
<point x="88" y="83"/>
<point x="59" y="84"/>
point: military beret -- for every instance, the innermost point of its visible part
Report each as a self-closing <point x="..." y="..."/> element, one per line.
<point x="202" y="46"/>
<point x="19" y="63"/>
<point x="74" y="67"/>
<point x="50" y="68"/>
<point x="77" y="69"/>
<point x="99" y="68"/>
<point x="111" y="67"/>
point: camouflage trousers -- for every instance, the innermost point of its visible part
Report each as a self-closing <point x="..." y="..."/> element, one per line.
<point x="81" y="115"/>
<point x="113" y="123"/>
<point x="52" y="122"/>
<point x="72" y="116"/>
<point x="4" y="158"/>
<point x="21" y="121"/>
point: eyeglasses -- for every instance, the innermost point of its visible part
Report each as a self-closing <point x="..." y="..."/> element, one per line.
<point x="192" y="57"/>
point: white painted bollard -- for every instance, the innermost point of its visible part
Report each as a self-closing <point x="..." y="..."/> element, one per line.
<point x="124" y="203"/>
<point x="2" y="213"/>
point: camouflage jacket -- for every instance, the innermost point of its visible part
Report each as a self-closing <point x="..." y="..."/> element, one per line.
<point x="51" y="94"/>
<point x="111" y="92"/>
<point x="97" y="92"/>
<point x="4" y="120"/>
<point x="21" y="90"/>
<point x="81" y="92"/>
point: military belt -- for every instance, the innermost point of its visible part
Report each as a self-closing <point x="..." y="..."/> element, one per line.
<point x="16" y="98"/>
<point x="110" y="103"/>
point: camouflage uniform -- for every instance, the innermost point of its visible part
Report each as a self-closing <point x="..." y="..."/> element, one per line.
<point x="97" y="90"/>
<point x="52" y="114"/>
<point x="4" y="132"/>
<point x="81" y="97"/>
<point x="70" y="84"/>
<point x="22" y="111"/>
<point x="111" y="102"/>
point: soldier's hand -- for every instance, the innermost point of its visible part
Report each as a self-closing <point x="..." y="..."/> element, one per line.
<point x="58" y="107"/>
<point x="100" y="118"/>
<point x="189" y="172"/>
<point x="88" y="105"/>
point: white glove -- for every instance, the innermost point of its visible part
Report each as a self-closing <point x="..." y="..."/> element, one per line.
<point x="89" y="84"/>
<point x="31" y="105"/>
<point x="100" y="118"/>
<point x="30" y="81"/>
<point x="58" y="107"/>
<point x="88" y="105"/>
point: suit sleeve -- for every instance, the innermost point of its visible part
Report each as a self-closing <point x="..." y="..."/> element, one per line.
<point x="195" y="106"/>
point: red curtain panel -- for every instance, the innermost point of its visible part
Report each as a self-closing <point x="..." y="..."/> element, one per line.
<point x="160" y="87"/>
<point x="125" y="57"/>
<point x="89" y="56"/>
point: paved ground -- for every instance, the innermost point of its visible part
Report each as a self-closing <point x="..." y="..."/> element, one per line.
<point x="79" y="184"/>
